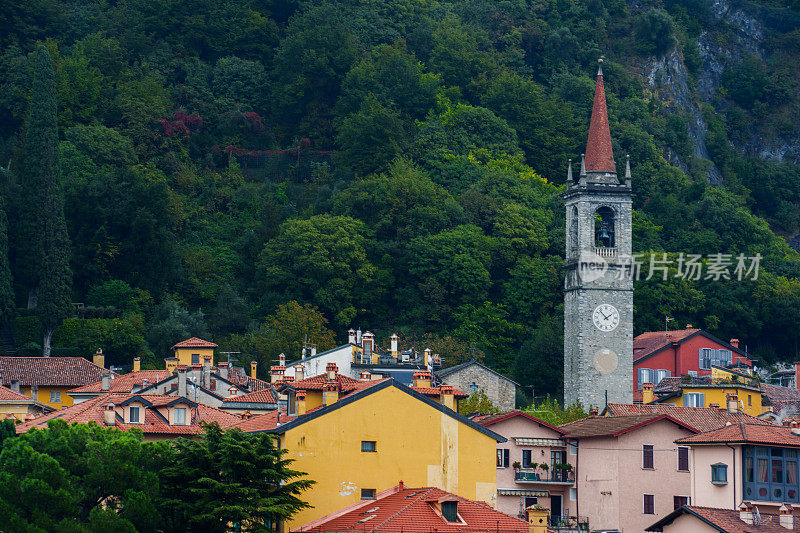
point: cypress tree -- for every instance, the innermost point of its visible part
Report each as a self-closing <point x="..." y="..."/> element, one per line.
<point x="6" y="287"/>
<point x="44" y="203"/>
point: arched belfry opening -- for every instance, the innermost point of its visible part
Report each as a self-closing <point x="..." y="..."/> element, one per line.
<point x="604" y="228"/>
<point x="573" y="232"/>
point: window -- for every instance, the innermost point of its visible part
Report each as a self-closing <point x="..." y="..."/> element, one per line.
<point x="749" y="399"/>
<point x="134" y="415"/>
<point x="649" y="504"/>
<point x="647" y="456"/>
<point x="573" y="448"/>
<point x="693" y="373"/>
<point x="368" y="494"/>
<point x="694" y="399"/>
<point x="644" y="376"/>
<point x="450" y="511"/>
<point x="573" y="494"/>
<point x="661" y="374"/>
<point x="502" y="458"/>
<point x="719" y="473"/>
<point x="55" y="396"/>
<point x="526" y="458"/>
<point x="179" y="416"/>
<point x="195" y="358"/>
<point x="680" y="501"/>
<point x="368" y="446"/>
<point x="683" y="459"/>
<point x="710" y="356"/>
<point x="531" y="500"/>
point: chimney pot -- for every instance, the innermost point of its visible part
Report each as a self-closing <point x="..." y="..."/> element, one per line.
<point x="786" y="516"/>
<point x="282" y="359"/>
<point x="733" y="402"/>
<point x="299" y="372"/>
<point x="313" y="350"/>
<point x="15" y="385"/>
<point x="351" y="336"/>
<point x="746" y="513"/>
<point x="688" y="326"/>
<point x="365" y="375"/>
<point x="137" y="364"/>
<point x="110" y="415"/>
<point x="253" y="369"/>
<point x="105" y="382"/>
<point x="593" y="411"/>
<point x="99" y="359"/>
<point x="735" y="343"/>
<point x="331" y="369"/>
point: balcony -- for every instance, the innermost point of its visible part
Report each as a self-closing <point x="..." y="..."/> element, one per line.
<point x="605" y="252"/>
<point x="552" y="477"/>
<point x="568" y="524"/>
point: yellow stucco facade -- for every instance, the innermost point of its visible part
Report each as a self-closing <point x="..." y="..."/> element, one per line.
<point x="46" y="394"/>
<point x="414" y="442"/>
<point x="749" y="399"/>
<point x="185" y="356"/>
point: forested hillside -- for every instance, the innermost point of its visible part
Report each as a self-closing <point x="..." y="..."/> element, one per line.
<point x="229" y="166"/>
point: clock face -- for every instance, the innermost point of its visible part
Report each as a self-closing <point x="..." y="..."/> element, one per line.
<point x="606" y="317"/>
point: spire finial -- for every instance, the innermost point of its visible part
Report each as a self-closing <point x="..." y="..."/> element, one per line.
<point x="583" y="164"/>
<point x="569" y="171"/>
<point x="627" y="166"/>
<point x="600" y="65"/>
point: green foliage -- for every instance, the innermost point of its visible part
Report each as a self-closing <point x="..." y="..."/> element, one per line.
<point x="553" y="413"/>
<point x="6" y="281"/>
<point x="478" y="402"/>
<point x="654" y="31"/>
<point x="172" y="323"/>
<point x="121" y="339"/>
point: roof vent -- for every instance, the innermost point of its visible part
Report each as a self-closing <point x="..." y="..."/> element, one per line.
<point x="794" y="427"/>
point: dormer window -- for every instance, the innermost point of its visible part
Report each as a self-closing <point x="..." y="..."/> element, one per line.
<point x="179" y="416"/>
<point x="450" y="511"/>
<point x="133" y="415"/>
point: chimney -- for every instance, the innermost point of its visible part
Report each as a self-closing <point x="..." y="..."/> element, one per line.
<point x="688" y="326"/>
<point x="537" y="519"/>
<point x="281" y="360"/>
<point x="421" y="379"/>
<point x="137" y="364"/>
<point x="446" y="397"/>
<point x="99" y="359"/>
<point x="746" y="513"/>
<point x="647" y="393"/>
<point x="786" y="516"/>
<point x="35" y="392"/>
<point x="253" y="368"/>
<point x="330" y="392"/>
<point x="223" y="369"/>
<point x="313" y="350"/>
<point x="368" y="342"/>
<point x="735" y="343"/>
<point x="300" y="396"/>
<point x="110" y="415"/>
<point x="794" y="427"/>
<point x="171" y="363"/>
<point x="594" y="411"/>
<point x="351" y="336"/>
<point x="427" y="357"/>
<point x="393" y="349"/>
<point x="298" y="372"/>
<point x="105" y="381"/>
<point x="15" y="385"/>
<point x="358" y="336"/>
<point x="182" y="381"/>
<point x="276" y="373"/>
<point x="797" y="375"/>
<point x="207" y="371"/>
<point x="733" y="402"/>
<point x="364" y="375"/>
<point x="331" y="369"/>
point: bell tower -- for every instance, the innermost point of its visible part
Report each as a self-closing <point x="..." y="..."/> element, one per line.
<point x="598" y="284"/>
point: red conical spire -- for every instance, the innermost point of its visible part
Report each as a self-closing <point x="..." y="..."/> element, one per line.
<point x="599" y="155"/>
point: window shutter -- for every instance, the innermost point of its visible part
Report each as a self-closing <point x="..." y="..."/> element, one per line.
<point x="647" y="456"/>
<point x="649" y="504"/>
<point x="505" y="457"/>
<point x="701" y="400"/>
<point x="683" y="458"/>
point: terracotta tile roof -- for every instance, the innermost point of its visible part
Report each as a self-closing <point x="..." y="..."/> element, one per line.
<point x="316" y="382"/>
<point x="92" y="411"/>
<point x="488" y="420"/>
<point x="49" y="371"/>
<point x="747" y="433"/>
<point x="673" y="384"/>
<point x="613" y="426"/>
<point x="700" y="418"/>
<point x="239" y="376"/>
<point x="650" y="341"/>
<point x="194" y="342"/>
<point x="10" y="397"/>
<point x="778" y="393"/>
<point x="725" y="521"/>
<point x="406" y="509"/>
<point x="599" y="155"/>
<point x="260" y="396"/>
<point x="437" y="391"/>
<point x="125" y="382"/>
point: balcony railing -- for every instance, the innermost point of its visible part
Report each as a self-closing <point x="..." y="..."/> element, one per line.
<point x="557" y="476"/>
<point x="605" y="252"/>
<point x="568" y="523"/>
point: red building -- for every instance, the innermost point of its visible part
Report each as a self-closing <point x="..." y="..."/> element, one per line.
<point x="691" y="351"/>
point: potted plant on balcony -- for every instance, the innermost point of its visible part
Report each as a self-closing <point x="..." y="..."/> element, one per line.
<point x="544" y="468"/>
<point x="516" y="466"/>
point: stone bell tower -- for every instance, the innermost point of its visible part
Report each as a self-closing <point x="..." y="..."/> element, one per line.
<point x="598" y="284"/>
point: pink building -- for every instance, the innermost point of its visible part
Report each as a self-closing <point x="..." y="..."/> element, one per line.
<point x="630" y="472"/>
<point x="522" y="479"/>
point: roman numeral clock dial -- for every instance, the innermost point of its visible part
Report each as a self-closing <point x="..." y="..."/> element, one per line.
<point x="605" y="317"/>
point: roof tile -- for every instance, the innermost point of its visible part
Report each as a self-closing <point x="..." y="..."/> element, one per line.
<point x="700" y="418"/>
<point x="49" y="371"/>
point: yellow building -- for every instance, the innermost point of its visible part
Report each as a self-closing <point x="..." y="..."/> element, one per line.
<point x="48" y="379"/>
<point x="726" y="389"/>
<point x="16" y="405"/>
<point x="193" y="351"/>
<point x="357" y="438"/>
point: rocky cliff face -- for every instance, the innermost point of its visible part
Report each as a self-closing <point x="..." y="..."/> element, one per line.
<point x="736" y="34"/>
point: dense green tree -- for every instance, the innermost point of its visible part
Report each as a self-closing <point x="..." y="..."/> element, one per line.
<point x="172" y="323"/>
<point x="6" y="286"/>
<point x="229" y="477"/>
